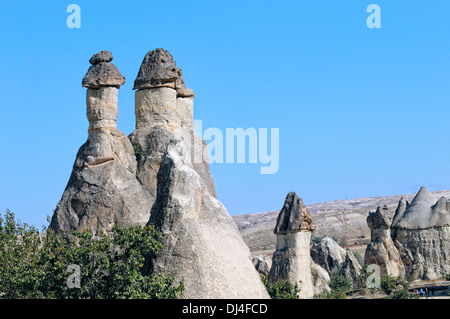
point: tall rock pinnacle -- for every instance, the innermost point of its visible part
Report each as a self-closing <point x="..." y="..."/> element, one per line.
<point x="103" y="190"/>
<point x="164" y="105"/>
<point x="381" y="250"/>
<point x="292" y="260"/>
<point x="201" y="242"/>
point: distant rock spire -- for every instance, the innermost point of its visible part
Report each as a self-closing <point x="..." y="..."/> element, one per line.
<point x="423" y="212"/>
<point x="401" y="208"/>
<point x="381" y="249"/>
<point x="294" y="216"/>
<point x="292" y="257"/>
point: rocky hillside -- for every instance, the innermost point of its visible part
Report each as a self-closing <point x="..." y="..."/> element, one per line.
<point x="344" y="219"/>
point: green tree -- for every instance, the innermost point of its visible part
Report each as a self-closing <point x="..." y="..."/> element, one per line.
<point x="281" y="289"/>
<point x="361" y="279"/>
<point x="35" y="265"/>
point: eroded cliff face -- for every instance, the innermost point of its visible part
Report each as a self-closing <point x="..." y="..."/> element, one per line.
<point x="421" y="233"/>
<point x="103" y="190"/>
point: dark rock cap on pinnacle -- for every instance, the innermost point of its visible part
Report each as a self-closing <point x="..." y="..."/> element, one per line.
<point x="102" y="56"/>
<point x="159" y="69"/>
<point x="102" y="72"/>
<point x="379" y="219"/>
<point x="294" y="216"/>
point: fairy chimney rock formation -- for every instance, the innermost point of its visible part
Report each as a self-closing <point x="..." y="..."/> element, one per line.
<point x="291" y="260"/>
<point x="102" y="190"/>
<point x="381" y="249"/>
<point x="201" y="243"/>
<point x="421" y="232"/>
<point x="163" y="106"/>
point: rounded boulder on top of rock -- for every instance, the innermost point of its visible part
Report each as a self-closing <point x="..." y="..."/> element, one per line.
<point x="102" y="56"/>
<point x="102" y="73"/>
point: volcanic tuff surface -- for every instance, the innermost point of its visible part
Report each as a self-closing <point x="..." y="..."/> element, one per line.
<point x="421" y="232"/>
<point x="345" y="219"/>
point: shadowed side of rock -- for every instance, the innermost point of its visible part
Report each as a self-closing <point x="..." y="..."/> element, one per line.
<point x="201" y="243"/>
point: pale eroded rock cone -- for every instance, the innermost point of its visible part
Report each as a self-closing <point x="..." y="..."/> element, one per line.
<point x="291" y="260"/>
<point x="421" y="233"/>
<point x="328" y="254"/>
<point x="351" y="268"/>
<point x="103" y="190"/>
<point x="320" y="278"/>
<point x="201" y="243"/>
<point x="381" y="249"/>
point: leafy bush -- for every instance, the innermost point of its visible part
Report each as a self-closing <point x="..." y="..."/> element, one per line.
<point x="395" y="287"/>
<point x="388" y="284"/>
<point x="401" y="294"/>
<point x="281" y="289"/>
<point x="447" y="277"/>
<point x="35" y="265"/>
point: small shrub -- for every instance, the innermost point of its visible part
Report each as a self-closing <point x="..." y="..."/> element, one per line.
<point x="395" y="287"/>
<point x="138" y="150"/>
<point x="388" y="284"/>
<point x="361" y="280"/>
<point x="339" y="286"/>
<point x="281" y="289"/>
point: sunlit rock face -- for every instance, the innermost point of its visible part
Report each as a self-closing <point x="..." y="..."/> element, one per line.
<point x="292" y="260"/>
<point x="381" y="249"/>
<point x="201" y="242"/>
<point x="103" y="190"/>
<point x="421" y="233"/>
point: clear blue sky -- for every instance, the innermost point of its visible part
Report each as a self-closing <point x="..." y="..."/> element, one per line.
<point x="362" y="112"/>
